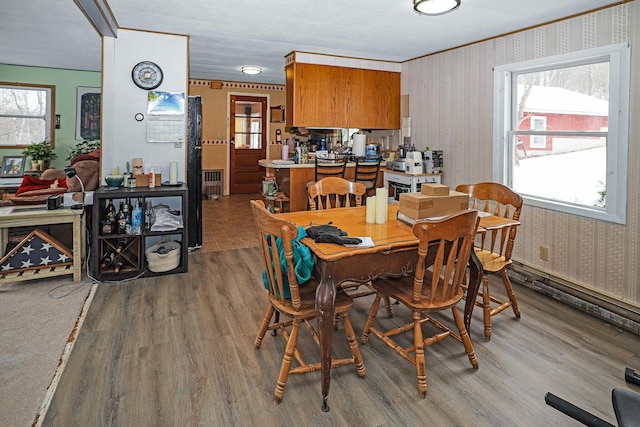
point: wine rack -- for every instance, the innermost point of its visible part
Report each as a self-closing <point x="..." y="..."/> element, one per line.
<point x="130" y="261"/>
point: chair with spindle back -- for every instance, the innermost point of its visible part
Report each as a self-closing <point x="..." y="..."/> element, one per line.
<point x="334" y="192"/>
<point x="292" y="301"/>
<point x="437" y="284"/>
<point x="494" y="247"/>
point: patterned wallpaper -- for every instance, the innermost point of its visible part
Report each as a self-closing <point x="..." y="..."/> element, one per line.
<point x="451" y="103"/>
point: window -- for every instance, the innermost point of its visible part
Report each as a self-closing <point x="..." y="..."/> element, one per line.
<point x="26" y="113"/>
<point x="561" y="131"/>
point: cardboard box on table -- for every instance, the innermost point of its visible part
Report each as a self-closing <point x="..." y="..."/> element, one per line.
<point x="419" y="205"/>
<point x="432" y="189"/>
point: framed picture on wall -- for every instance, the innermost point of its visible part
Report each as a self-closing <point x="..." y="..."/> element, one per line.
<point x="88" y="113"/>
<point x="12" y="166"/>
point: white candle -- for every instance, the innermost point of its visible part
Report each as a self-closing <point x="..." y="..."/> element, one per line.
<point x="381" y="206"/>
<point x="173" y="172"/>
<point x="371" y="210"/>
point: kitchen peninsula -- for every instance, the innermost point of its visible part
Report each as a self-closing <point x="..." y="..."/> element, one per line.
<point x="292" y="180"/>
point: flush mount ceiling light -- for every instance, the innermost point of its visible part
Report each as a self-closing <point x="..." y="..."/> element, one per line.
<point x="252" y="70"/>
<point x="435" y="7"/>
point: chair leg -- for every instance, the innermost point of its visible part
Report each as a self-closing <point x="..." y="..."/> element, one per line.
<point x="512" y="296"/>
<point x="372" y="317"/>
<point x="486" y="307"/>
<point x="464" y="335"/>
<point x="419" y="354"/>
<point x="286" y="361"/>
<point x="353" y="345"/>
<point x="276" y="320"/>
<point x="264" y="325"/>
<point x="387" y="304"/>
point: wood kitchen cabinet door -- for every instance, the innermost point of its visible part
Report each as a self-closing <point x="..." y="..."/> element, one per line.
<point x="341" y="97"/>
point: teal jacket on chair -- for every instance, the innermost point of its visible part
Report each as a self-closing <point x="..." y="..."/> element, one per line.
<point x="302" y="261"/>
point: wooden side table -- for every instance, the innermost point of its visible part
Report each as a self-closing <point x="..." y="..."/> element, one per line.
<point x="19" y="216"/>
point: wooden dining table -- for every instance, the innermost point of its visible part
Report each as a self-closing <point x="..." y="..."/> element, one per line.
<point x="392" y="254"/>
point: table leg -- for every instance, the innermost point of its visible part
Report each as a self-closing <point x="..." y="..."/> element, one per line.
<point x="475" y="279"/>
<point x="325" y="307"/>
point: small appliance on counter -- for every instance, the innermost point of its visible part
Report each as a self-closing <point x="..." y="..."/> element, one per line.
<point x="414" y="165"/>
<point x="399" y="165"/>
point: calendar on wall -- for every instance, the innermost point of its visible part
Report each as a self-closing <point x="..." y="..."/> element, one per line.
<point x="166" y="117"/>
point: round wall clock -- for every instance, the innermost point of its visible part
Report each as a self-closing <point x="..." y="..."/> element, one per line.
<point x="147" y="75"/>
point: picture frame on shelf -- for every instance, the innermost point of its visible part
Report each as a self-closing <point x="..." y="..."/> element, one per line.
<point x="12" y="166"/>
<point x="88" y="113"/>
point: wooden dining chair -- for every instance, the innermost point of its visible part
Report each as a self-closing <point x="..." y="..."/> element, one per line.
<point x="367" y="171"/>
<point x="336" y="192"/>
<point x="494" y="247"/>
<point x="443" y="253"/>
<point x="292" y="304"/>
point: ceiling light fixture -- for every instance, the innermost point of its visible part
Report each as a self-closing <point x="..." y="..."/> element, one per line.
<point x="251" y="69"/>
<point x="435" y="7"/>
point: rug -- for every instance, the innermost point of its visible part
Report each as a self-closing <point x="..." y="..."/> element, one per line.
<point x="38" y="324"/>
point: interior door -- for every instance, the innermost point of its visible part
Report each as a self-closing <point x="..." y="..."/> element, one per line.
<point x="248" y="143"/>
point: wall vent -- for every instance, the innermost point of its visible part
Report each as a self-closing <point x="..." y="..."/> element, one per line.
<point x="212" y="183"/>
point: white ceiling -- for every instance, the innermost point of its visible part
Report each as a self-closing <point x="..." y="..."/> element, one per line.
<point x="226" y="34"/>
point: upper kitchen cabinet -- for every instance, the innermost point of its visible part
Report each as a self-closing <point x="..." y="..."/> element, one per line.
<point x="325" y="96"/>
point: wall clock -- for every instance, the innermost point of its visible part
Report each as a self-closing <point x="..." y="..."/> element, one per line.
<point x="147" y="75"/>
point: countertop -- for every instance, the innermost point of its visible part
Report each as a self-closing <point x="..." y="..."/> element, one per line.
<point x="275" y="163"/>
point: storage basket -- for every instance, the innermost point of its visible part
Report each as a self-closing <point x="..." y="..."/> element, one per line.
<point x="163" y="256"/>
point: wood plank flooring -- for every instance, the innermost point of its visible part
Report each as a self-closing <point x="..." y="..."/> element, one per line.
<point x="178" y="350"/>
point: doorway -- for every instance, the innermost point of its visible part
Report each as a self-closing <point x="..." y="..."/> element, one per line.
<point x="248" y="131"/>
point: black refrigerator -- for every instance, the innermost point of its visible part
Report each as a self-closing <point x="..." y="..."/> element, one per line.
<point x="194" y="172"/>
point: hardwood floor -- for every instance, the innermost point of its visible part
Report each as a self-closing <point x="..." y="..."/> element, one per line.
<point x="178" y="350"/>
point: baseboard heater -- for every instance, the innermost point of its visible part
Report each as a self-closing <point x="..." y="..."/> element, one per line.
<point x="613" y="312"/>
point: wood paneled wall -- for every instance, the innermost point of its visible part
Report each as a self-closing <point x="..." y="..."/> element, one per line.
<point x="451" y="110"/>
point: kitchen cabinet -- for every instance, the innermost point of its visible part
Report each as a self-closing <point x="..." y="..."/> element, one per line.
<point x="325" y="96"/>
<point x="132" y="254"/>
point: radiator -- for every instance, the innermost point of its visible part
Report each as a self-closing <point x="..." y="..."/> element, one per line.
<point x="212" y="183"/>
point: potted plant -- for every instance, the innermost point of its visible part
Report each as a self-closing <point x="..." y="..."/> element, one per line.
<point x="40" y="152"/>
<point x="83" y="147"/>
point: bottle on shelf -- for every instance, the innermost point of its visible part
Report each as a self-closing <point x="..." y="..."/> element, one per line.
<point x="127" y="216"/>
<point x="118" y="266"/>
<point x="110" y="212"/>
<point x="121" y="244"/>
<point x="152" y="178"/>
<point x="122" y="220"/>
<point x="107" y="259"/>
<point x="136" y="217"/>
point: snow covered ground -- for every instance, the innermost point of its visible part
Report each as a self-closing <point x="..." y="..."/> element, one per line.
<point x="574" y="177"/>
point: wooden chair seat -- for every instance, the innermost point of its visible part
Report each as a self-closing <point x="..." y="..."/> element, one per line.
<point x="494" y="247"/>
<point x="443" y="254"/>
<point x="491" y="261"/>
<point x="289" y="313"/>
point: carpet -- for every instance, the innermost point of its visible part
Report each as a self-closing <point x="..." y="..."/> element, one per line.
<point x="38" y="322"/>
